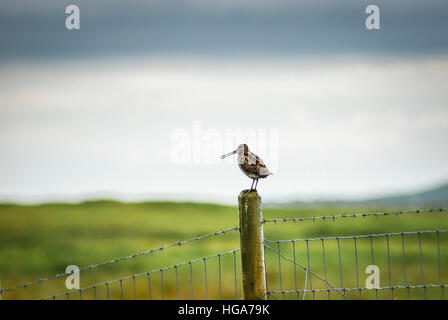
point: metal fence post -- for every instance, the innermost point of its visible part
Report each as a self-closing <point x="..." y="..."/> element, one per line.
<point x="251" y="242"/>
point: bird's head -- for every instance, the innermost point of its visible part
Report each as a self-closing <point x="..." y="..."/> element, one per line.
<point x="242" y="148"/>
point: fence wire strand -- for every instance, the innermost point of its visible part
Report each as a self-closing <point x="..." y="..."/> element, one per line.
<point x="355" y="215"/>
<point x="359" y="236"/>
<point x="425" y="286"/>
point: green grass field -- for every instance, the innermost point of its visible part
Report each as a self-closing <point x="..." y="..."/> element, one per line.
<point x="41" y="240"/>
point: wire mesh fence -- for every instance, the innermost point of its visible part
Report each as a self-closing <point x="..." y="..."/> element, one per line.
<point x="407" y="264"/>
<point x="153" y="284"/>
<point x="207" y="277"/>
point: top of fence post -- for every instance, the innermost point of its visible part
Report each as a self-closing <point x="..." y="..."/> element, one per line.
<point x="251" y="240"/>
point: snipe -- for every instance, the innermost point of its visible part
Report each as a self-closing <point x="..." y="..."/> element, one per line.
<point x="250" y="164"/>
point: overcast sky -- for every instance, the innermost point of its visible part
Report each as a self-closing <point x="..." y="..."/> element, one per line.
<point x="31" y="29"/>
<point x="337" y="110"/>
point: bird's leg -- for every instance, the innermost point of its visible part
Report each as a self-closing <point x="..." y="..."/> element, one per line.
<point x="252" y="185"/>
<point x="256" y="184"/>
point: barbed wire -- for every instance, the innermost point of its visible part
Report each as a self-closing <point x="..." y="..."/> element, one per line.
<point x="355" y="215"/>
<point x="98" y="265"/>
<point x="359" y="236"/>
<point x="137" y="275"/>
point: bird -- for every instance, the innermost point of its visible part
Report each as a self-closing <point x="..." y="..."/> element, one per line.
<point x="251" y="165"/>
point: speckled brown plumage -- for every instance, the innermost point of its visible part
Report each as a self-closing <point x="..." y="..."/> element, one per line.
<point x="251" y="165"/>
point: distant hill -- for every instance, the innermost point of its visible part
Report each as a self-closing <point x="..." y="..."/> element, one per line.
<point x="435" y="197"/>
<point x="432" y="198"/>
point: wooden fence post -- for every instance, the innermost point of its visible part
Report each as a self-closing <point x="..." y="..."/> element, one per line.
<point x="251" y="244"/>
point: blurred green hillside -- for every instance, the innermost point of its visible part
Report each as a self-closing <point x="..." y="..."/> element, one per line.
<point x="428" y="198"/>
<point x="41" y="240"/>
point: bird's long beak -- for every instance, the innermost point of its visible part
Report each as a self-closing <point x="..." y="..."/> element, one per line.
<point x="228" y="154"/>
